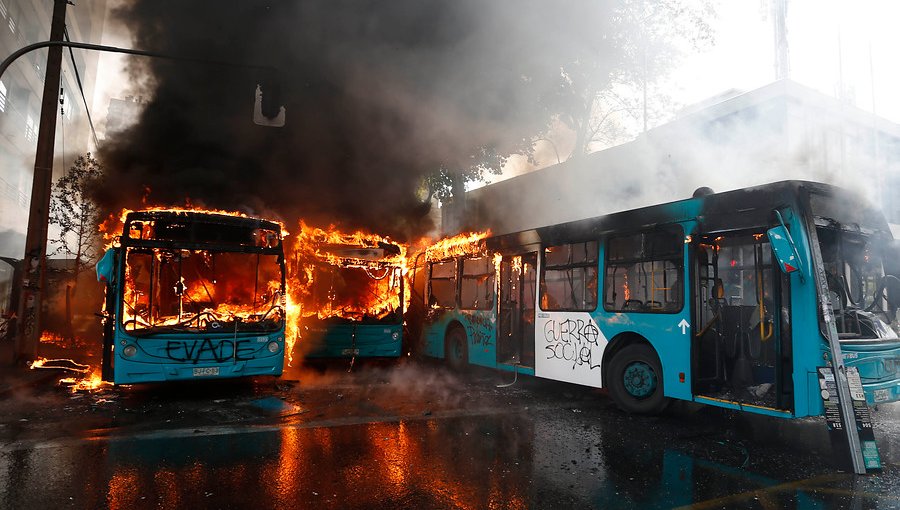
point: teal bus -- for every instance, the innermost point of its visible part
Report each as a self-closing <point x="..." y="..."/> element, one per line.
<point x="350" y="291"/>
<point x="688" y="300"/>
<point x="193" y="295"/>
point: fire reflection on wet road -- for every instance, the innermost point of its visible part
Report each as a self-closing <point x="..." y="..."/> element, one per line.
<point x="534" y="446"/>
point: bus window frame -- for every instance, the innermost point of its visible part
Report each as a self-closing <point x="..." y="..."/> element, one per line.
<point x="584" y="265"/>
<point x="677" y="231"/>
<point x="491" y="276"/>
<point x="428" y="294"/>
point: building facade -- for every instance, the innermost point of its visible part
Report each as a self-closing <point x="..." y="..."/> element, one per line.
<point x="781" y="131"/>
<point x="24" y="22"/>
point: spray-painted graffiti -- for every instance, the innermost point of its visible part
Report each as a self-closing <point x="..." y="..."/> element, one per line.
<point x="481" y="330"/>
<point x="572" y="340"/>
<point x="219" y="351"/>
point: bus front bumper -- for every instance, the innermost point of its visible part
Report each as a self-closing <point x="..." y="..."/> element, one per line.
<point x="134" y="373"/>
<point x="882" y="393"/>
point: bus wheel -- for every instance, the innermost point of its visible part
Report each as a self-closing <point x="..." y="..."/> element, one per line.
<point x="455" y="348"/>
<point x="635" y="380"/>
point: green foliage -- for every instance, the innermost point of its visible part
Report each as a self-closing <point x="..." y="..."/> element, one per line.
<point x="76" y="215"/>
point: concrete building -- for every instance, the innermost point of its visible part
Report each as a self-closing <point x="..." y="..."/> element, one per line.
<point x="781" y="131"/>
<point x="24" y="22"/>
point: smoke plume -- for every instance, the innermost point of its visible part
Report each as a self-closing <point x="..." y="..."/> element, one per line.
<point x="377" y="94"/>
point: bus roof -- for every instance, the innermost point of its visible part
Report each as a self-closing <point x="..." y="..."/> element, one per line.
<point x="188" y="228"/>
<point x="730" y="210"/>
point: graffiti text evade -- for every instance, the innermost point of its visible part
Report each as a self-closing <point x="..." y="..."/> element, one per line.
<point x="195" y="351"/>
<point x="572" y="340"/>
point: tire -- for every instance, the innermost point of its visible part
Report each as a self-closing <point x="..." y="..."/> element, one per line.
<point x="456" y="348"/>
<point x="636" y="380"/>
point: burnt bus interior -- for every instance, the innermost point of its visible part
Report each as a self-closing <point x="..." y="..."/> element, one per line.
<point x="742" y="326"/>
<point x="515" y="332"/>
<point x="189" y="271"/>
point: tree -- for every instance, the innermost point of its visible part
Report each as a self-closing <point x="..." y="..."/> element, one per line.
<point x="77" y="218"/>
<point x="603" y="101"/>
<point x="606" y="66"/>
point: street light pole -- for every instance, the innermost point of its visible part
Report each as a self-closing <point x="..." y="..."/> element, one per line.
<point x="34" y="274"/>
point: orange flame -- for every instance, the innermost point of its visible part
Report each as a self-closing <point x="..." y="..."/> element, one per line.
<point x="346" y="275"/>
<point x="111" y="227"/>
<point x="471" y="243"/>
<point x="89" y="382"/>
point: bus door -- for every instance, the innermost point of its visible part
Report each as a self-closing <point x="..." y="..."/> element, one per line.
<point x="742" y="343"/>
<point x="518" y="285"/>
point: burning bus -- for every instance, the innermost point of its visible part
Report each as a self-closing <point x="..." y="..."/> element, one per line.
<point x="192" y="295"/>
<point x="733" y="299"/>
<point x="350" y="291"/>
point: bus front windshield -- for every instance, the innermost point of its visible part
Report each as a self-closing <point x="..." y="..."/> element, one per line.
<point x="170" y="290"/>
<point x="854" y="272"/>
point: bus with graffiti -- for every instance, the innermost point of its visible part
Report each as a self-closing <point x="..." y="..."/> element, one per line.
<point x="350" y="290"/>
<point x="193" y="295"/>
<point x="712" y="299"/>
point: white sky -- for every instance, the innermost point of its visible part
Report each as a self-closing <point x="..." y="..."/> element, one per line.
<point x="743" y="55"/>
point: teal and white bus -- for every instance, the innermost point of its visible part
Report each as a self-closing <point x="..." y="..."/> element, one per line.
<point x="687" y="300"/>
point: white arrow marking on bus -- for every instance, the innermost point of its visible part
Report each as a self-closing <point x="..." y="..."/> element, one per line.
<point x="683" y="325"/>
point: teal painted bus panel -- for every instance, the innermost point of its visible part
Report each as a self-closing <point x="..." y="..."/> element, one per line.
<point x="481" y="339"/>
<point x="172" y="357"/>
<point x="357" y="340"/>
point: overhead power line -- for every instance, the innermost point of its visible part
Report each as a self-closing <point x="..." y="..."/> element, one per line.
<point x="81" y="88"/>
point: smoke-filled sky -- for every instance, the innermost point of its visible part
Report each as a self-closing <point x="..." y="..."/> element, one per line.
<point x="377" y="94"/>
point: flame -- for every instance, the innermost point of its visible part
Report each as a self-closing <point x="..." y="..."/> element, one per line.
<point x="89" y="382"/>
<point x="111" y="227"/>
<point x="354" y="276"/>
<point x="89" y="379"/>
<point x="463" y="244"/>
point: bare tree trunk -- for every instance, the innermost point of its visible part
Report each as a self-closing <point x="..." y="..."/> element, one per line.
<point x="69" y="332"/>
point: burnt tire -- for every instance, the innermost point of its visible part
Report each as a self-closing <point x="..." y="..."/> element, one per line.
<point x="456" y="348"/>
<point x="635" y="380"/>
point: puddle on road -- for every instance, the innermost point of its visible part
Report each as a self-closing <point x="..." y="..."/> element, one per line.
<point x="553" y="458"/>
<point x="275" y="406"/>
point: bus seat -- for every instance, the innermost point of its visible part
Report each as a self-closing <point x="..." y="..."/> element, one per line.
<point x="718" y="292"/>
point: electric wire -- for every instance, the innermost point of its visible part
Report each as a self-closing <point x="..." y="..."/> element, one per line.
<point x="81" y="88"/>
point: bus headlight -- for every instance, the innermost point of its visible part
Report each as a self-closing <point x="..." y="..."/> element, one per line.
<point x="395" y="335"/>
<point x="273" y="347"/>
<point x="129" y="350"/>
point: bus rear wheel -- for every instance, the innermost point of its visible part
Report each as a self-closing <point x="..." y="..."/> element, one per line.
<point x="635" y="380"/>
<point x="455" y="351"/>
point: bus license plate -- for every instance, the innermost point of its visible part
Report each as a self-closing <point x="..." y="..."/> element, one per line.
<point x="349" y="352"/>
<point x="882" y="395"/>
<point x="202" y="371"/>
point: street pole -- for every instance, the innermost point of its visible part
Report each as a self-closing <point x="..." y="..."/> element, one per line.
<point x="34" y="265"/>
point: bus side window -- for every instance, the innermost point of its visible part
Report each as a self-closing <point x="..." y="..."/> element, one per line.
<point x="442" y="284"/>
<point x="644" y="272"/>
<point x="569" y="277"/>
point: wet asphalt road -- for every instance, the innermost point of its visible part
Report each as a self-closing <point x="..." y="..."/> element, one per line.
<point x="413" y="435"/>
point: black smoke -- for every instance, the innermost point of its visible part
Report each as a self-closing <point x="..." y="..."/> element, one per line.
<point x="377" y="93"/>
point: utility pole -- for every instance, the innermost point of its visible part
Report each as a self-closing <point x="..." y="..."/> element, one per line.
<point x="31" y="289"/>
